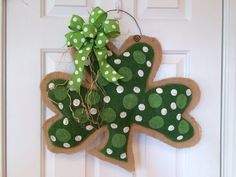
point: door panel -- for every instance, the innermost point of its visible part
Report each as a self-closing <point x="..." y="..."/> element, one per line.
<point x="190" y="35"/>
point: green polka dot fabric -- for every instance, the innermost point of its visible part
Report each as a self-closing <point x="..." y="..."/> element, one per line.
<point x="119" y="108"/>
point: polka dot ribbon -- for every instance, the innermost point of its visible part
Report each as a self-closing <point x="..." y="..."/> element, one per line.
<point x="92" y="37"/>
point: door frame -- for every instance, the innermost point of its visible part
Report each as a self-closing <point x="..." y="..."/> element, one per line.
<point x="228" y="93"/>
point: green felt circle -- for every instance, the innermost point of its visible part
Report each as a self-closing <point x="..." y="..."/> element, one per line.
<point x="139" y="57"/>
<point x="181" y="101"/>
<point x="60" y="93"/>
<point x="63" y="135"/>
<point x="183" y="127"/>
<point x="118" y="140"/>
<point x="130" y="101"/>
<point x="102" y="81"/>
<point x="92" y="98"/>
<point x="127" y="73"/>
<point x="156" y="122"/>
<point x="81" y="115"/>
<point x="108" y="115"/>
<point x="154" y="100"/>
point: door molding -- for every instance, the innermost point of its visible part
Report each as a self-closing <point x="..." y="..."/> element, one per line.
<point x="3" y="169"/>
<point x="228" y="104"/>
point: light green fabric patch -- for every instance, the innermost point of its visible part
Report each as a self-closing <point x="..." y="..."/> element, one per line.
<point x="63" y="135"/>
<point x="155" y="100"/>
<point x="139" y="57"/>
<point x="60" y="93"/>
<point x="156" y="122"/>
<point x="183" y="127"/>
<point x="93" y="98"/>
<point x="118" y="140"/>
<point x="103" y="82"/>
<point x="127" y="73"/>
<point x="181" y="101"/>
<point x="81" y="115"/>
<point x="108" y="115"/>
<point x="130" y="101"/>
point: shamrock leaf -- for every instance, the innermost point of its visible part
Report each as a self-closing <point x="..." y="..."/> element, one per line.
<point x="159" y="109"/>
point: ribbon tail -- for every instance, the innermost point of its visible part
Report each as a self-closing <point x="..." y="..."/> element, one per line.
<point x="107" y="71"/>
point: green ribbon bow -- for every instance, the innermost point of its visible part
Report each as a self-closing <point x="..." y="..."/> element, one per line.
<point x="92" y="37"/>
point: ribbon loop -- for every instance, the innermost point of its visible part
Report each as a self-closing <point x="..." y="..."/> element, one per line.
<point x="97" y="16"/>
<point x="101" y="40"/>
<point x="76" y="23"/>
<point x="89" y="31"/>
<point x="111" y="28"/>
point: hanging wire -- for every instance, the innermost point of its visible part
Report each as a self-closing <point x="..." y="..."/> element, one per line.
<point x="120" y="10"/>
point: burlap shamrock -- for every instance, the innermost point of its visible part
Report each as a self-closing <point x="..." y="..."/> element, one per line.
<point x="159" y="109"/>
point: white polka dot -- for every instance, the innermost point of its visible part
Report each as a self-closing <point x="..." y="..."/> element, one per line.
<point x="85" y="29"/>
<point x="188" y="92"/>
<point x="65" y="121"/>
<point x="109" y="53"/>
<point x="123" y="115"/>
<point x="123" y="155"/>
<point x="60" y="105"/>
<point x="51" y="86"/>
<point x="140" y="73"/>
<point x="173" y="92"/>
<point x="91" y="35"/>
<point x="88" y="48"/>
<point x="173" y="106"/>
<point x="76" y="72"/>
<point x="171" y="128"/>
<point x="99" y="11"/>
<point x="109" y="151"/>
<point x="92" y="20"/>
<point x="83" y="58"/>
<point x="93" y="111"/>
<point x="159" y="90"/>
<point x="141" y="107"/>
<point x="145" y="49"/>
<point x="80" y="51"/>
<point x="78" y="27"/>
<point x="74" y="19"/>
<point x="107" y="66"/>
<point x="106" y="99"/>
<point x="71" y="82"/>
<point x="180" y="137"/>
<point x="76" y="102"/>
<point x="78" y="138"/>
<point x="99" y="42"/>
<point x="136" y="89"/>
<point x="102" y="63"/>
<point x="113" y="79"/>
<point x="89" y="127"/>
<point x="178" y="116"/>
<point x="126" y="129"/>
<point x="79" y="80"/>
<point x="114" y="126"/>
<point x="119" y="89"/>
<point x="138" y="118"/>
<point x="106" y="72"/>
<point x="148" y="63"/>
<point x="92" y="13"/>
<point x="113" y="26"/>
<point x="80" y="69"/>
<point x="76" y="62"/>
<point x="163" y="111"/>
<point x="114" y="72"/>
<point x="75" y="40"/>
<point x="101" y="34"/>
<point x="53" y="138"/>
<point x="107" y="22"/>
<point x="100" y="53"/>
<point x="126" y="54"/>
<point x="66" y="145"/>
<point x="83" y="40"/>
<point x="68" y="43"/>
<point x="117" y="61"/>
<point x="107" y="40"/>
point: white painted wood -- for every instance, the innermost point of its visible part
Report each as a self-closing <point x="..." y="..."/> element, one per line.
<point x="228" y="90"/>
<point x="191" y="40"/>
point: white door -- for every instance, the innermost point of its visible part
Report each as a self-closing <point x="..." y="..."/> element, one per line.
<point x="190" y="35"/>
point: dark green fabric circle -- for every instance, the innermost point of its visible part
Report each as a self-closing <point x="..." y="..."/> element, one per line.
<point x="139" y="57"/>
<point x="102" y="81"/>
<point x="108" y="115"/>
<point x="81" y="115"/>
<point x="183" y="127"/>
<point x="92" y="98"/>
<point x="126" y="72"/>
<point x="60" y="93"/>
<point x="130" y="101"/>
<point x="156" y="122"/>
<point x="181" y="101"/>
<point x="154" y="100"/>
<point x="63" y="135"/>
<point x="118" y="140"/>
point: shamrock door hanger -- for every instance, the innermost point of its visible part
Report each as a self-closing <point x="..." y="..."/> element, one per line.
<point x="112" y="93"/>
